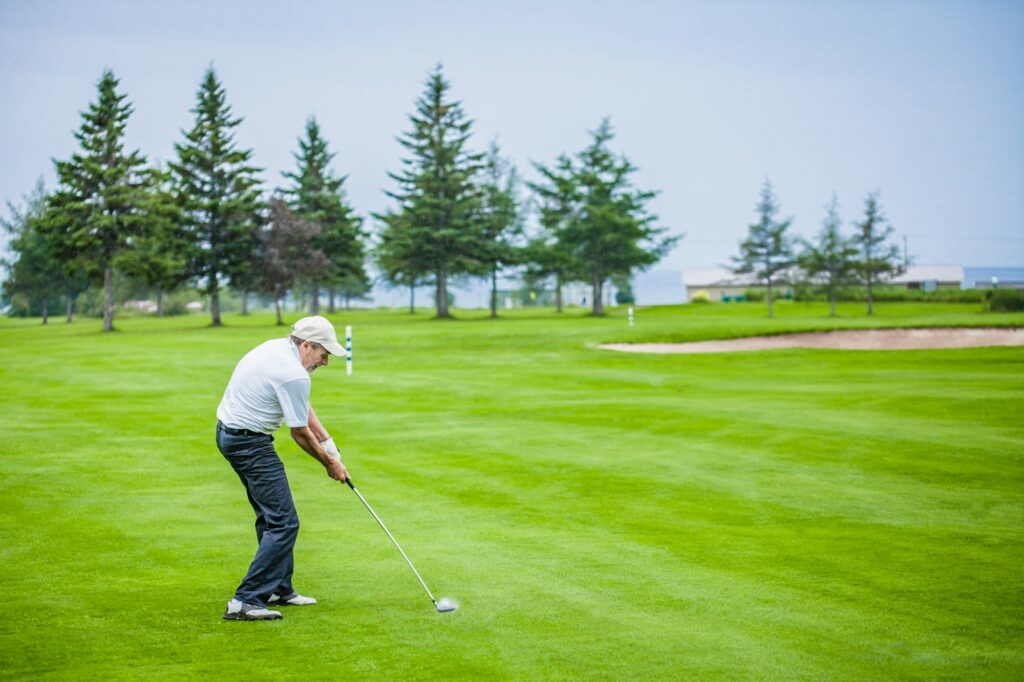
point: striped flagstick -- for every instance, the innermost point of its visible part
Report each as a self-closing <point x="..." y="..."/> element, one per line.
<point x="348" y="350"/>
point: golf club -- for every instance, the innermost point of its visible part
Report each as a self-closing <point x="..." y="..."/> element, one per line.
<point x="445" y="605"/>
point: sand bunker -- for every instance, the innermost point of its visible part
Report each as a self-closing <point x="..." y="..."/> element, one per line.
<point x="866" y="339"/>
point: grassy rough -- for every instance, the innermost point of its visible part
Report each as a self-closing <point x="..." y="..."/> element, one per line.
<point x="796" y="514"/>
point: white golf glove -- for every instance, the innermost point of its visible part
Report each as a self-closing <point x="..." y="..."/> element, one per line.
<point x="331" y="448"/>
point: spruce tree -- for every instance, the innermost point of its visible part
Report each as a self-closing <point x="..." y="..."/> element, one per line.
<point x="767" y="252"/>
<point x="398" y="256"/>
<point x="832" y="257"/>
<point x="437" y="195"/>
<point x="160" y="257"/>
<point x="548" y="254"/>
<point x="218" y="192"/>
<point x="317" y="196"/>
<point x="501" y="225"/>
<point x="878" y="260"/>
<point x="611" y="231"/>
<point x="97" y="208"/>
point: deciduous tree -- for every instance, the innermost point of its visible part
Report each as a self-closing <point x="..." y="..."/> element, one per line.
<point x="286" y="252"/>
<point x="32" y="270"/>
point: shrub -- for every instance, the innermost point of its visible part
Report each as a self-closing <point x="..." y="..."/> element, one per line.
<point x="1005" y="300"/>
<point x="889" y="293"/>
<point x="755" y="295"/>
<point x="700" y="296"/>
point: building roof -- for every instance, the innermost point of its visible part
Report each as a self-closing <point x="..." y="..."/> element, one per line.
<point x="940" y="273"/>
<point x="716" y="277"/>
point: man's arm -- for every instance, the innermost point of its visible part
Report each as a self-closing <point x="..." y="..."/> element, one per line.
<point x="306" y="437"/>
<point x="316" y="427"/>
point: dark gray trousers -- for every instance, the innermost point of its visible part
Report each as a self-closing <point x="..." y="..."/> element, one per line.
<point x="277" y="524"/>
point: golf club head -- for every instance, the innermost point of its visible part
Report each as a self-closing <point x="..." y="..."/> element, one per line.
<point x="445" y="605"/>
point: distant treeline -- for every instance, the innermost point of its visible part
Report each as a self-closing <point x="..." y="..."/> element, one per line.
<point x="206" y="222"/>
<point x="206" y="219"/>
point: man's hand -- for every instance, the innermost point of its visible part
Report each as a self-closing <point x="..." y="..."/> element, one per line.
<point x="336" y="470"/>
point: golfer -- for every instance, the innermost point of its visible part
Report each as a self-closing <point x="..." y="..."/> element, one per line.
<point x="270" y="385"/>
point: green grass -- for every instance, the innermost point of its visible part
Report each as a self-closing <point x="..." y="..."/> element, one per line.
<point x="797" y="514"/>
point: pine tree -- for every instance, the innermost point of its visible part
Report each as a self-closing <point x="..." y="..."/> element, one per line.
<point x="397" y="254"/>
<point x="832" y="258"/>
<point x="501" y="225"/>
<point x="159" y="258"/>
<point x="548" y="254"/>
<point x="97" y="208"/>
<point x="611" y="231"/>
<point x="437" y="196"/>
<point x="317" y="196"/>
<point x="219" y="195"/>
<point x="767" y="252"/>
<point x="878" y="259"/>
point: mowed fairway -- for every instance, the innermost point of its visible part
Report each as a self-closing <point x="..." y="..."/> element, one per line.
<point x="788" y="514"/>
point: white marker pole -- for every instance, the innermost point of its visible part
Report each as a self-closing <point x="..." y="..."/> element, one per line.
<point x="348" y="350"/>
<point x="630" y="316"/>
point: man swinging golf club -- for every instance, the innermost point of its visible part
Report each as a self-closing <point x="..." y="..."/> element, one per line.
<point x="271" y="385"/>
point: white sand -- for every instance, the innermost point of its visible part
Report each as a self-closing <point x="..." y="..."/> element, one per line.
<point x="868" y="339"/>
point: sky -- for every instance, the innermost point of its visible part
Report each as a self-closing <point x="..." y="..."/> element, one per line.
<point x="922" y="102"/>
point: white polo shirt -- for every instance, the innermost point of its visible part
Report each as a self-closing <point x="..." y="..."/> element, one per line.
<point x="269" y="386"/>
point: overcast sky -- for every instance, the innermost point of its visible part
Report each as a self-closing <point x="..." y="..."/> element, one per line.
<point x="922" y="101"/>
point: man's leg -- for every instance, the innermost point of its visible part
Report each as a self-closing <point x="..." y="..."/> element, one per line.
<point x="270" y="572"/>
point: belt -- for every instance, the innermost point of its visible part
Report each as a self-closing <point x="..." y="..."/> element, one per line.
<point x="238" y="432"/>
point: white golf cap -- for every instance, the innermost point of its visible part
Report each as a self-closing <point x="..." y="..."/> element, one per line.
<point x="318" y="330"/>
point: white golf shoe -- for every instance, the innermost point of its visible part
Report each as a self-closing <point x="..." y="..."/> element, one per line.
<point x="241" y="611"/>
<point x="293" y="599"/>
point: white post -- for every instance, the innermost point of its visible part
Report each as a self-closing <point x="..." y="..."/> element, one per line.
<point x="630" y="316"/>
<point x="348" y="350"/>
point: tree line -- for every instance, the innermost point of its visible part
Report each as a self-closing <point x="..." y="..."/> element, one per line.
<point x="833" y="260"/>
<point x="205" y="218"/>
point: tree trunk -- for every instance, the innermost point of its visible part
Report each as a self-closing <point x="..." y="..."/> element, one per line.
<point x="45" y="302"/>
<point x="412" y="298"/>
<point x="214" y="302"/>
<point x="314" y="299"/>
<point x="71" y="305"/>
<point x="832" y="299"/>
<point x="159" y="302"/>
<point x="494" y="292"/>
<point x="277" y="306"/>
<point x="558" y="293"/>
<point x="442" y="295"/>
<point x="331" y="293"/>
<point x="245" y="301"/>
<point x="871" y="309"/>
<point x="348" y="302"/>
<point x="598" y="304"/>
<point x="770" y="311"/>
<point x="108" y="299"/>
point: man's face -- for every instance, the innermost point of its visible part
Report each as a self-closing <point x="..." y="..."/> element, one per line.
<point x="312" y="356"/>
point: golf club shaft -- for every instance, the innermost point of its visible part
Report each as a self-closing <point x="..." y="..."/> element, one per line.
<point x="370" y="509"/>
